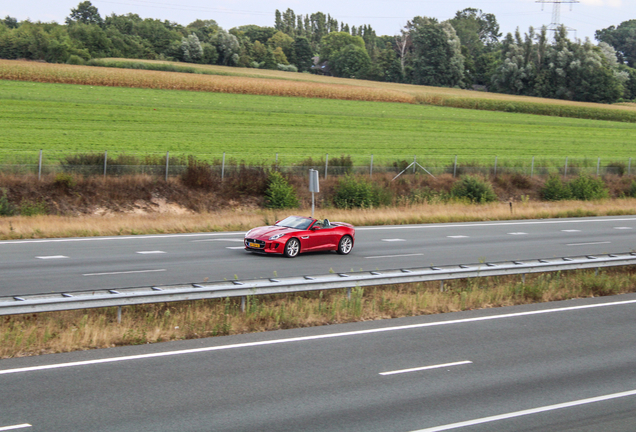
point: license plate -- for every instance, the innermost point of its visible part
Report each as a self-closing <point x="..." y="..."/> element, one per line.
<point x="255" y="245"/>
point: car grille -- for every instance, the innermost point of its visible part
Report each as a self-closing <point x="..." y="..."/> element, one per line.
<point x="260" y="243"/>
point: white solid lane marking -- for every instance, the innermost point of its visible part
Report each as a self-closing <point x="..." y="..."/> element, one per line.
<point x="517" y="233"/>
<point x="235" y="247"/>
<point x="52" y="257"/>
<point x="218" y="240"/>
<point x="477" y="224"/>
<point x="312" y="338"/>
<point x="457" y="236"/>
<point x="393" y="240"/>
<point x="124" y="272"/>
<point x="20" y="426"/>
<point x="142" y="237"/>
<point x="570" y="230"/>
<point x="150" y="252"/>
<point x="529" y="411"/>
<point x="585" y="244"/>
<point x="393" y="256"/>
<point x="623" y="228"/>
<point x="426" y="368"/>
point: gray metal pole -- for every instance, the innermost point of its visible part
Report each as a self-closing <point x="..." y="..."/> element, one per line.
<point x="532" y="167"/>
<point x="629" y="166"/>
<point x="167" y="164"/>
<point x="371" y="167"/>
<point x="455" y="167"/>
<point x="495" y="166"/>
<point x="40" y="166"/>
<point x="105" y="162"/>
<point x="565" y="172"/>
<point x="598" y="166"/>
<point x="243" y="304"/>
<point x="326" y="165"/>
<point x="118" y="314"/>
<point x="223" y="167"/>
<point x="312" y="204"/>
<point x="414" y="163"/>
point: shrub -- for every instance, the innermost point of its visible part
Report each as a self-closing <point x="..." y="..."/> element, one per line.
<point x="64" y="181"/>
<point x="555" y="190"/>
<point x="75" y="60"/>
<point x="287" y="68"/>
<point x="279" y="193"/>
<point x="6" y="208"/>
<point x="588" y="188"/>
<point x="351" y="192"/>
<point x="28" y="208"/>
<point x="632" y="189"/>
<point x="474" y="189"/>
<point x="198" y="175"/>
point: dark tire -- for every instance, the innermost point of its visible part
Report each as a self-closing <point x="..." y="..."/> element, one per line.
<point x="292" y="248"/>
<point x="345" y="245"/>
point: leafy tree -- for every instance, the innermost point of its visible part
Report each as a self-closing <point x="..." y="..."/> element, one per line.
<point x="94" y="38"/>
<point x="279" y="56"/>
<point x="191" y="49"/>
<point x="623" y="39"/>
<point x="228" y="47"/>
<point x="350" y="62"/>
<point x="10" y="22"/>
<point x="85" y="13"/>
<point x="303" y="54"/>
<point x="334" y="42"/>
<point x="286" y="43"/>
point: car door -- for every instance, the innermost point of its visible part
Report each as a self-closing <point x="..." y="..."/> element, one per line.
<point x="321" y="238"/>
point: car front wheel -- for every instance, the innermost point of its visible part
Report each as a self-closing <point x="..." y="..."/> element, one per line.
<point x="345" y="245"/>
<point x="292" y="248"/>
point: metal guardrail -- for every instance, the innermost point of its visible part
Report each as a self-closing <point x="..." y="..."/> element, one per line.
<point x="36" y="303"/>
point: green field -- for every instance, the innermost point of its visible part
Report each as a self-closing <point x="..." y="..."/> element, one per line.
<point x="64" y="119"/>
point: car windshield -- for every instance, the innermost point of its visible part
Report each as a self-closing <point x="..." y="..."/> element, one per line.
<point x="295" y="222"/>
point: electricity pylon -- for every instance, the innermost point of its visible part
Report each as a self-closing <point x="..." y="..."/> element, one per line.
<point x="556" y="12"/>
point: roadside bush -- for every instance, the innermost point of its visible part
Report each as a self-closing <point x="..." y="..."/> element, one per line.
<point x="28" y="208"/>
<point x="555" y="190"/>
<point x="64" y="181"/>
<point x="6" y="208"/>
<point x="588" y="188"/>
<point x="359" y="193"/>
<point x="474" y="189"/>
<point x="279" y="193"/>
<point x="632" y="189"/>
<point x="198" y="175"/>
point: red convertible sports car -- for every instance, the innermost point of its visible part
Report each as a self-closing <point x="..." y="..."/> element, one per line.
<point x="297" y="234"/>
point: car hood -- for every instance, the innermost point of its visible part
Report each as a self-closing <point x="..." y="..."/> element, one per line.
<point x="266" y="232"/>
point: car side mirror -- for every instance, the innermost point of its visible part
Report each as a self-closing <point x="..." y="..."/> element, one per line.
<point x="314" y="228"/>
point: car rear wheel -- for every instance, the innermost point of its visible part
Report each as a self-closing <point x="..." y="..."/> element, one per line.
<point x="292" y="248"/>
<point x="345" y="245"/>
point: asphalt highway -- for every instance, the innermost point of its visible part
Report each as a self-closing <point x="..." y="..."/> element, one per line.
<point x="563" y="366"/>
<point x="64" y="265"/>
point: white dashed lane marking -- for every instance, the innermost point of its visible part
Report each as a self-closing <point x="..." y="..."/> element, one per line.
<point x="235" y="247"/>
<point x="457" y="236"/>
<point x="219" y="240"/>
<point x="150" y="252"/>
<point x="517" y="233"/>
<point x="393" y="240"/>
<point x="14" y="427"/>
<point x="52" y="257"/>
<point x="417" y="369"/>
<point x="623" y="228"/>
<point x="394" y="256"/>
<point x="570" y="230"/>
<point x="124" y="272"/>
<point x="585" y="244"/>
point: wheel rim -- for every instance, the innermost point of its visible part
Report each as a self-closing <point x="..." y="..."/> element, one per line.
<point x="346" y="244"/>
<point x="293" y="247"/>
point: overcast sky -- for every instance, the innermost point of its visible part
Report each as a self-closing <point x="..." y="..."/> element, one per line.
<point x="387" y="17"/>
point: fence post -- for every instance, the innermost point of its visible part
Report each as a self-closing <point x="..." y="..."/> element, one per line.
<point x="326" y="164"/>
<point x="414" y="163"/>
<point x="105" y="162"/>
<point x="223" y="167"/>
<point x="276" y="158"/>
<point x="371" y="167"/>
<point x="167" y="164"/>
<point x="532" y="167"/>
<point x="495" y="166"/>
<point x="40" y="166"/>
<point x="455" y="167"/>
<point x="629" y="166"/>
<point x="598" y="166"/>
<point x="565" y="171"/>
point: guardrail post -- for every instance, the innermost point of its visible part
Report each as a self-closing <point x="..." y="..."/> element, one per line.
<point x="223" y="167"/>
<point x="40" y="166"/>
<point x="596" y="272"/>
<point x="105" y="162"/>
<point x="118" y="314"/>
<point x="523" y="278"/>
<point x="441" y="286"/>
<point x="532" y="167"/>
<point x="348" y="293"/>
<point x="371" y="167"/>
<point x="243" y="301"/>
<point x="167" y="164"/>
<point x="455" y="167"/>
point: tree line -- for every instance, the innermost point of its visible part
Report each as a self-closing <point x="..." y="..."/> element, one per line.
<point x="467" y="51"/>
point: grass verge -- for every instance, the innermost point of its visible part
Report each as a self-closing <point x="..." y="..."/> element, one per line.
<point x="242" y="219"/>
<point x="55" y="332"/>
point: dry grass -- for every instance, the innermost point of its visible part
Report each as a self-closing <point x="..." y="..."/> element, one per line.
<point x="97" y="328"/>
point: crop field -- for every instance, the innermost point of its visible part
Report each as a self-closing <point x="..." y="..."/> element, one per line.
<point x="74" y="118"/>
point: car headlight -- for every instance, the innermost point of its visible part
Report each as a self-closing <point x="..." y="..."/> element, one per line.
<point x="277" y="236"/>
